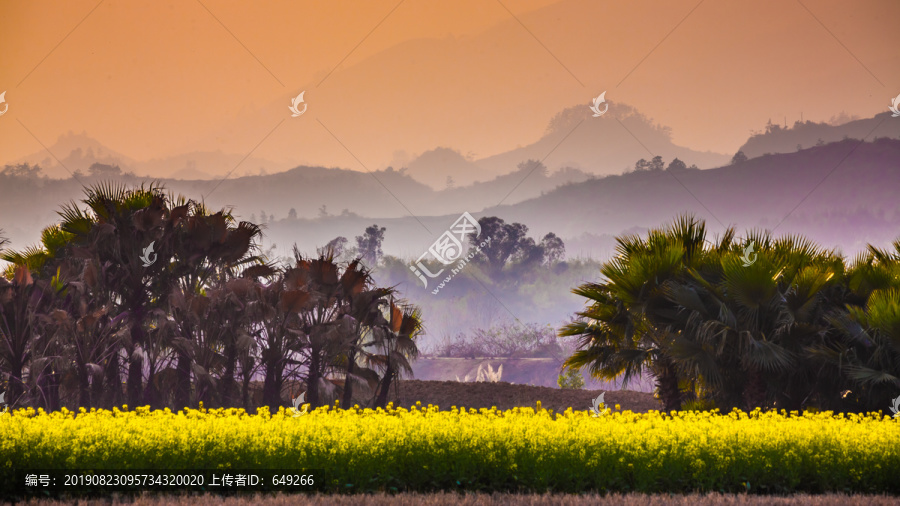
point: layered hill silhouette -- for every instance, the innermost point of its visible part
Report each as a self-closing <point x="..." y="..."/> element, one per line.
<point x="573" y="140"/>
<point x="602" y="145"/>
<point x="778" y="139"/>
<point x="316" y="194"/>
<point x="841" y="194"/>
<point x="75" y="153"/>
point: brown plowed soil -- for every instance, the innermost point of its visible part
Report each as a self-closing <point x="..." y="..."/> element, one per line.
<point x="447" y="394"/>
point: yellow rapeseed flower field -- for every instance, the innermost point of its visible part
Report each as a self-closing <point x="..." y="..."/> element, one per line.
<point x="425" y="448"/>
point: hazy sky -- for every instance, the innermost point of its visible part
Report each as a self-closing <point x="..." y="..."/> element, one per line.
<point x="156" y="78"/>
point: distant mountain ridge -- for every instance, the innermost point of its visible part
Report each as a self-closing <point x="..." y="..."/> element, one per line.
<point x="78" y="152"/>
<point x="573" y="140"/>
<point x="841" y="195"/>
<point x="602" y="145"/>
<point x="437" y="167"/>
<point x="310" y="192"/>
<point x="778" y="139"/>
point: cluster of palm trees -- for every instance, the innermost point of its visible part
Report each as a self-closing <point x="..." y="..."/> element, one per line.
<point x="147" y="299"/>
<point x="789" y="326"/>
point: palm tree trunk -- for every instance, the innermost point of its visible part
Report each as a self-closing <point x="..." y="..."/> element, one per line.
<point x="273" y="382"/>
<point x="384" y="387"/>
<point x="312" y="380"/>
<point x="137" y="304"/>
<point x="183" y="381"/>
<point x="667" y="385"/>
<point x="113" y="382"/>
<point x="136" y="363"/>
<point x="97" y="391"/>
<point x="246" y="378"/>
<point x="347" y="399"/>
<point x="84" y="388"/>
<point x="204" y="394"/>
<point x="754" y="390"/>
<point x="152" y="394"/>
<point x="227" y="384"/>
<point x="135" y="381"/>
<point x="16" y="386"/>
<point x="48" y="384"/>
<point x="245" y="391"/>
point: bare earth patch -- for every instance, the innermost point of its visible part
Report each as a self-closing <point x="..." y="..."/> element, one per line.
<point x="410" y="499"/>
<point x="447" y="394"/>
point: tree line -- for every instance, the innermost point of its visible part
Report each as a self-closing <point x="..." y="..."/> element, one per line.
<point x="759" y="322"/>
<point x="139" y="297"/>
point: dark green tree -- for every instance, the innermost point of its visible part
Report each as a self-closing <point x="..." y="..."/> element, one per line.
<point x="369" y="245"/>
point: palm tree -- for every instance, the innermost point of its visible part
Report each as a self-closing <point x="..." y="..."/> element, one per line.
<point x="340" y="310"/>
<point x="395" y="343"/>
<point x="282" y="325"/>
<point x="191" y="246"/>
<point x="24" y="355"/>
<point x="866" y="345"/>
<point x="632" y="323"/>
<point x="700" y="319"/>
<point x="199" y="307"/>
<point x="206" y="249"/>
<point x="747" y="326"/>
<point x="364" y="307"/>
<point x="87" y="337"/>
<point x="116" y="228"/>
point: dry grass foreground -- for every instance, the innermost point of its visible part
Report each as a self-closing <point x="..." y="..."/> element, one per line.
<point x="449" y="498"/>
<point x="447" y="394"/>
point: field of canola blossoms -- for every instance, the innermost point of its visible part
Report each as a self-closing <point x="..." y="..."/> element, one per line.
<point x="522" y="449"/>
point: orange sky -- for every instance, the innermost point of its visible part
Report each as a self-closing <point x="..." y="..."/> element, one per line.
<point x="154" y="78"/>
